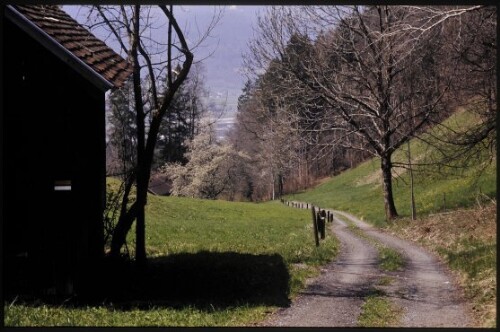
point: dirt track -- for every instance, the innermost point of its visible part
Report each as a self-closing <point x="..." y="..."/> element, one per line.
<point x="424" y="290"/>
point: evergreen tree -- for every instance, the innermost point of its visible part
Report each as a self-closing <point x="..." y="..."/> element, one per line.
<point x="122" y="132"/>
<point x="181" y="122"/>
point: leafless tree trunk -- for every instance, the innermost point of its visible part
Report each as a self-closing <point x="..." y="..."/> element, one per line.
<point x="412" y="191"/>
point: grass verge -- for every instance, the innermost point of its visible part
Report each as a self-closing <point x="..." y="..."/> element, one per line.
<point x="378" y="311"/>
<point x="390" y="259"/>
<point x="466" y="240"/>
<point x="107" y="316"/>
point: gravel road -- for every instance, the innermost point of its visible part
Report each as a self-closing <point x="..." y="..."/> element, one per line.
<point x="424" y="289"/>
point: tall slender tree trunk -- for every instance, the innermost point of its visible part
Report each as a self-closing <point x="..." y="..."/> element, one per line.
<point x="412" y="191"/>
<point x="390" y="208"/>
<point x="142" y="165"/>
<point x="122" y="228"/>
<point x="273" y="184"/>
<point x="140" y="224"/>
<point x="280" y="185"/>
<point x="127" y="217"/>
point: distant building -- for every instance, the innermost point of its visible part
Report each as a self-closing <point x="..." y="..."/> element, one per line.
<point x="55" y="77"/>
<point x="160" y="184"/>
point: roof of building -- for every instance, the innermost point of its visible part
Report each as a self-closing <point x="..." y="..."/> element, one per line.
<point x="73" y="38"/>
<point x="159" y="184"/>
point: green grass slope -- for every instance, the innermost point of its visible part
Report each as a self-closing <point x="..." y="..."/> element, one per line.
<point x="437" y="188"/>
<point x="179" y="225"/>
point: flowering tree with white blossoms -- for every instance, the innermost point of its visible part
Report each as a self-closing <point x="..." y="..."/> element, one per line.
<point x="211" y="168"/>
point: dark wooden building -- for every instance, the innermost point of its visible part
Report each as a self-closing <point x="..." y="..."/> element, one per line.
<point x="55" y="77"/>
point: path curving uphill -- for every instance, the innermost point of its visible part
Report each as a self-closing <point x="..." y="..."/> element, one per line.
<point x="424" y="289"/>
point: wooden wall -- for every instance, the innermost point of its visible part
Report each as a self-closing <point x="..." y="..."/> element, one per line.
<point x="54" y="129"/>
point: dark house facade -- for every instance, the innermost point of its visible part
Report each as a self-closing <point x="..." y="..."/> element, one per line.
<point x="55" y="77"/>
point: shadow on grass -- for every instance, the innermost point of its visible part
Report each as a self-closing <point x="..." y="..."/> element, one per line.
<point x="203" y="280"/>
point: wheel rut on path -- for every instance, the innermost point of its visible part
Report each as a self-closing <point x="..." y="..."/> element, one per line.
<point x="424" y="289"/>
<point x="335" y="297"/>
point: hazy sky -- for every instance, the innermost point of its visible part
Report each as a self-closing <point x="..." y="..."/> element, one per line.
<point x="227" y="43"/>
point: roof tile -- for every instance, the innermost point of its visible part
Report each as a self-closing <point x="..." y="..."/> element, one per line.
<point x="79" y="41"/>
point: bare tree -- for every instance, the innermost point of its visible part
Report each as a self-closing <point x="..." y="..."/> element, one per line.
<point x="475" y="82"/>
<point x="155" y="84"/>
<point x="375" y="67"/>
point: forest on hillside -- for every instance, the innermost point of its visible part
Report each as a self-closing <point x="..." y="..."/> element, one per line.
<point x="341" y="84"/>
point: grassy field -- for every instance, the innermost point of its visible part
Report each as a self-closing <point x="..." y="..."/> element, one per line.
<point x="212" y="263"/>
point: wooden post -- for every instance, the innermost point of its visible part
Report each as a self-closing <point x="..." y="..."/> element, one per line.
<point x="315" y="226"/>
<point x="412" y="192"/>
<point x="321" y="223"/>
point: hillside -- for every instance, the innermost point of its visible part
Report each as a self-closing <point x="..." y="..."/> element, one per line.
<point x="456" y="210"/>
<point x="437" y="188"/>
